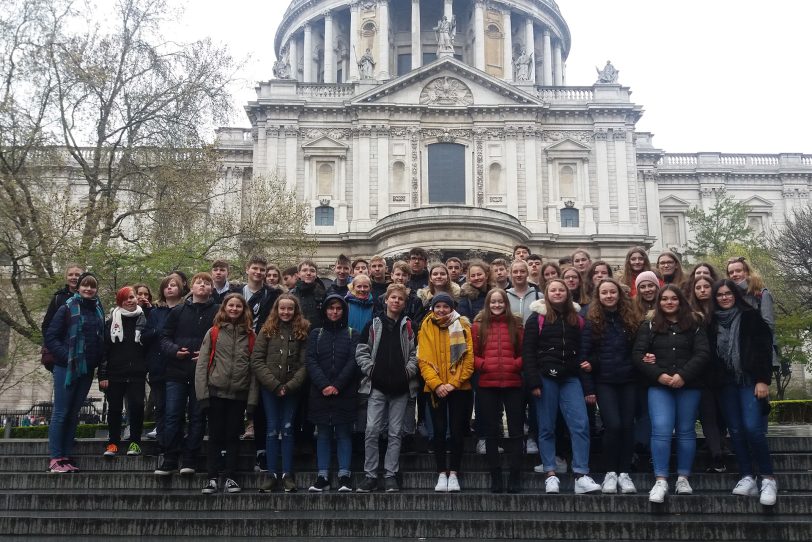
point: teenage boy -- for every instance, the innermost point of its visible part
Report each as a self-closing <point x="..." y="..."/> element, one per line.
<point x="340" y="285"/>
<point x="387" y="357"/>
<point x="360" y="267"/>
<point x="289" y="277"/>
<point x="534" y="266"/>
<point x="182" y="336"/>
<point x="500" y="273"/>
<point x="310" y="291"/>
<point x="377" y="272"/>
<point x="418" y="260"/>
<point x="220" y="285"/>
<point x="455" y="274"/>
<point x="521" y="252"/>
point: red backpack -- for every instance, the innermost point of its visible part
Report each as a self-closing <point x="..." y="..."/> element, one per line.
<point x="215" y="331"/>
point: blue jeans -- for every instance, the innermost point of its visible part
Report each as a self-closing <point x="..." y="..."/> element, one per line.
<point x="568" y="395"/>
<point x="179" y="396"/>
<point x="279" y="412"/>
<point x="745" y="421"/>
<point x="673" y="410"/>
<point x="65" y="415"/>
<point x="343" y="433"/>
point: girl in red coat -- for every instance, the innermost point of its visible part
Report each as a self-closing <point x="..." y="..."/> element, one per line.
<point x="497" y="338"/>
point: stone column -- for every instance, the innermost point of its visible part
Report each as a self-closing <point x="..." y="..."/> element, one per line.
<point x="360" y="210"/>
<point x="530" y="45"/>
<point x="479" y="35"/>
<point x="553" y="211"/>
<point x="622" y="176"/>
<point x="383" y="173"/>
<point x="548" y="60"/>
<point x="602" y="169"/>
<point x="508" y="45"/>
<point x="653" y="209"/>
<point x="511" y="170"/>
<point x="531" y="180"/>
<point x="448" y="8"/>
<point x="558" y="74"/>
<point x="293" y="57"/>
<point x="383" y="40"/>
<point x="307" y="58"/>
<point x="417" y="45"/>
<point x="355" y="16"/>
<point x="291" y="156"/>
<point x="329" y="49"/>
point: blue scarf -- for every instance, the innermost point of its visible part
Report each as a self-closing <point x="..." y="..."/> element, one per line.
<point x="77" y="361"/>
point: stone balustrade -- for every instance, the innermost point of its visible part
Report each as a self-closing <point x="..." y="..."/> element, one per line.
<point x="566" y="94"/>
<point x="325" y="90"/>
<point x="744" y="162"/>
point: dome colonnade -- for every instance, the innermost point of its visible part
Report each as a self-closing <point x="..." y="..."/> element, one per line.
<point x="336" y="41"/>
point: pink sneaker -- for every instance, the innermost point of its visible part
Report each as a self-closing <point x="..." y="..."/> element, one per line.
<point x="68" y="462"/>
<point x="57" y="465"/>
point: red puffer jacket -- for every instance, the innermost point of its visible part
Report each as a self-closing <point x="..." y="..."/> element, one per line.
<point x="497" y="364"/>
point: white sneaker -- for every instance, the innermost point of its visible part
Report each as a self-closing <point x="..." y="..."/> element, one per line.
<point x="560" y="464"/>
<point x="626" y="484"/>
<point x="552" y="484"/>
<point x="539" y="469"/>
<point x="453" y="483"/>
<point x="532" y="447"/>
<point x="152" y="434"/>
<point x="747" y="487"/>
<point x="769" y="492"/>
<point x="480" y="446"/>
<point x="658" y="492"/>
<point x="585" y="484"/>
<point x="683" y="487"/>
<point x="442" y="483"/>
<point x="609" y="483"/>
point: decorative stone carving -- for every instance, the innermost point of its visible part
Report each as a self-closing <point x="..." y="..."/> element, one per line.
<point x="313" y="133"/>
<point x="607" y="75"/>
<point x="446" y="91"/>
<point x="414" y="138"/>
<point x="446" y="135"/>
<point x="619" y="134"/>
<point x="480" y="172"/>
<point x="444" y="31"/>
<point x="281" y="67"/>
<point x="522" y="64"/>
<point x="236" y="172"/>
<point x="366" y="65"/>
<point x="582" y="136"/>
<point x="600" y="134"/>
<point x="255" y="134"/>
<point x="710" y="191"/>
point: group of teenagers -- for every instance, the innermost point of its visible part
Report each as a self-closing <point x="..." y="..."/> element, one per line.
<point x="518" y="344"/>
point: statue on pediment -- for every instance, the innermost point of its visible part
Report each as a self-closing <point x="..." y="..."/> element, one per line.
<point x="444" y="31"/>
<point x="281" y="67"/>
<point x="366" y="65"/>
<point x="522" y="64"/>
<point x="607" y="75"/>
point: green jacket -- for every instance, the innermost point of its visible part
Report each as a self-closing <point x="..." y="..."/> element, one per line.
<point x="229" y="376"/>
<point x="278" y="361"/>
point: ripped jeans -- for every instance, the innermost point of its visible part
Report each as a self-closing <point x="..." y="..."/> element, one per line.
<point x="279" y="412"/>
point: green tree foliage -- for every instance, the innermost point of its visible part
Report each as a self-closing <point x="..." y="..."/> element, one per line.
<point x="723" y="224"/>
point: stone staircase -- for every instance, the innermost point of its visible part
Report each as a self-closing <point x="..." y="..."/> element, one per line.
<point x="122" y="498"/>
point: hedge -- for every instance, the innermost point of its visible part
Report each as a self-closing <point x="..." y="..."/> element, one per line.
<point x="82" y="431"/>
<point x="791" y="411"/>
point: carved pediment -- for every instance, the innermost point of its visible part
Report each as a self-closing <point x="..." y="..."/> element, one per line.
<point x="568" y="145"/>
<point x="673" y="203"/>
<point x="758" y="203"/>
<point x="325" y="146"/>
<point x="447" y="83"/>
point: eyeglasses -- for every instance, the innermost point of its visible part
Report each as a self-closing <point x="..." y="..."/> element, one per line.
<point x="666" y="263"/>
<point x="723" y="295"/>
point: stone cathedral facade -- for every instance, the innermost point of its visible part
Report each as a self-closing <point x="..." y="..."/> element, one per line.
<point x="448" y="124"/>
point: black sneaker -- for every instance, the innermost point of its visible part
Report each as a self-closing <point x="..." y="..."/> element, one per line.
<point x="289" y="483"/>
<point x="231" y="486"/>
<point x="166" y="468"/>
<point x="718" y="465"/>
<point x="391" y="484"/>
<point x="344" y="484"/>
<point x="321" y="484"/>
<point x="210" y="487"/>
<point x="261" y="463"/>
<point x="269" y="484"/>
<point x="368" y="485"/>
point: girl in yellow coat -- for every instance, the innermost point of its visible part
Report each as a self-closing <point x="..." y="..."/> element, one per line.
<point x="446" y="357"/>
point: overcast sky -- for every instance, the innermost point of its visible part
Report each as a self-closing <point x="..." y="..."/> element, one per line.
<point x="712" y="75"/>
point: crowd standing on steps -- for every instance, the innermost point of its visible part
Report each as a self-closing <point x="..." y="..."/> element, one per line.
<point x="524" y="355"/>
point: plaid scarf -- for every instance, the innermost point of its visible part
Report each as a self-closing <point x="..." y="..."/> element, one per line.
<point x="77" y="362"/>
<point x="456" y="335"/>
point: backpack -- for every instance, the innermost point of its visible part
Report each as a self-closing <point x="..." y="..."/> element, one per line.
<point x="213" y="334"/>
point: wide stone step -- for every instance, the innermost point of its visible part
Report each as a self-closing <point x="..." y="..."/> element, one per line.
<point x="796" y="481"/>
<point x="199" y="505"/>
<point x="407" y="524"/>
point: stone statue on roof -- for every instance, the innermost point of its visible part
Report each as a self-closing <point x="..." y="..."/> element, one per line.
<point x="607" y="75"/>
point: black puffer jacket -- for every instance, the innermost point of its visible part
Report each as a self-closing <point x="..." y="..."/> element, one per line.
<point x="610" y="353"/>
<point x="678" y="352"/>
<point x="126" y="360"/>
<point x="185" y="327"/>
<point x="59" y="299"/>
<point x="472" y="300"/>
<point x="57" y="338"/>
<point x="311" y="296"/>
<point x="331" y="362"/>
<point x="755" y="347"/>
<point x="151" y="338"/>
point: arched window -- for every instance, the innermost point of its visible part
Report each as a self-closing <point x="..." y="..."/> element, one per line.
<point x="670" y="231"/>
<point x="566" y="182"/>
<point x="570" y="217"/>
<point x="495" y="181"/>
<point x="399" y="178"/>
<point x="325" y="216"/>
<point x="325" y="179"/>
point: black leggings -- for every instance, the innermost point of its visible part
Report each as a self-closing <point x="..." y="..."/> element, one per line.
<point x="457" y="406"/>
<point x="491" y="401"/>
<point x="617" y="403"/>
<point x="225" y="427"/>
<point x="134" y="391"/>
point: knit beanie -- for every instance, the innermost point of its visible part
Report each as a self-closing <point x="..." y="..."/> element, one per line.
<point x="646" y="276"/>
<point x="442" y="298"/>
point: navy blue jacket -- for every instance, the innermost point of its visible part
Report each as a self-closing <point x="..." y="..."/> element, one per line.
<point x="151" y="339"/>
<point x="472" y="300"/>
<point x="186" y="326"/>
<point x="331" y="362"/>
<point x="610" y="354"/>
<point x="57" y="336"/>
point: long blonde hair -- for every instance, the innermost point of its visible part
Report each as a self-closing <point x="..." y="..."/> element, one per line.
<point x="301" y="326"/>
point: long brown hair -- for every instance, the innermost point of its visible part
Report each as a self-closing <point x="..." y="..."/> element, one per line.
<point x="567" y="311"/>
<point x="626" y="309"/>
<point x="545" y="266"/>
<point x="301" y="326"/>
<point x="678" y="278"/>
<point x="484" y="318"/>
<point x="703" y="307"/>
<point x="685" y="315"/>
<point x="221" y="317"/>
<point x="628" y="273"/>
<point x="583" y="297"/>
